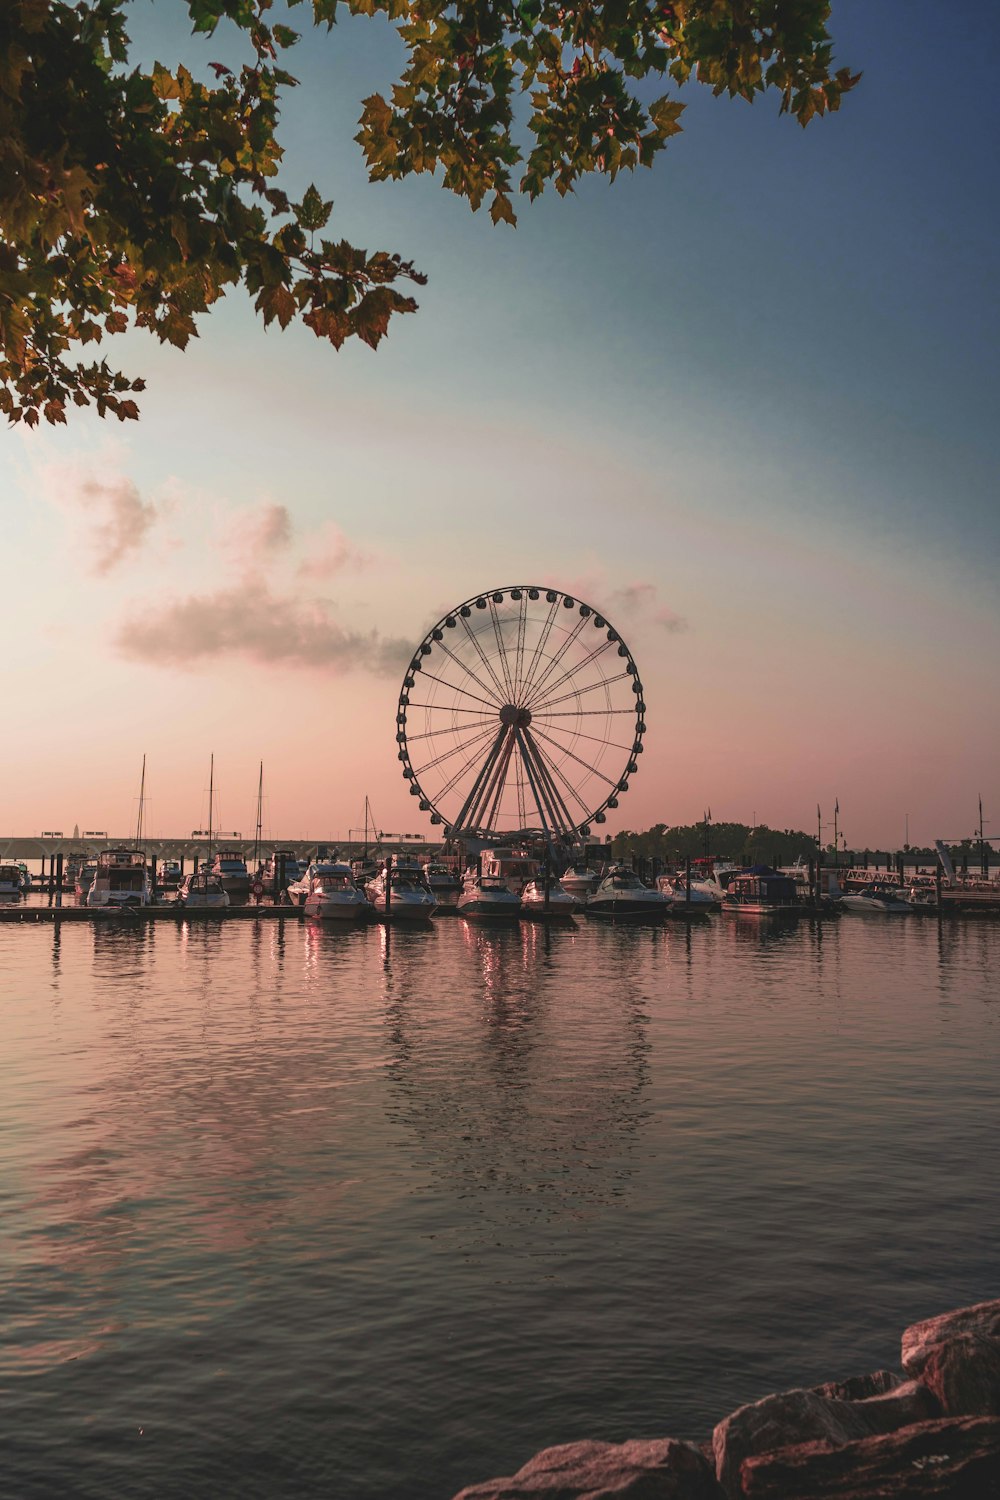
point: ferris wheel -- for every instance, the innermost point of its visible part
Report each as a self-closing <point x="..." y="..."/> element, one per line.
<point x="521" y="712"/>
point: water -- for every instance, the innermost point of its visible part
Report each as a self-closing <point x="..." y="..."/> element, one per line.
<point x="297" y="1212"/>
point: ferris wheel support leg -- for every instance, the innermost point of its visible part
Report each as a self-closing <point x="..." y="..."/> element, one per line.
<point x="536" y="793"/>
<point x="497" y="783"/>
<point x="562" y="819"/>
<point x="474" y="798"/>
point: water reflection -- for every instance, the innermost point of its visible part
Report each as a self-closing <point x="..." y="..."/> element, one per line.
<point x="521" y="1088"/>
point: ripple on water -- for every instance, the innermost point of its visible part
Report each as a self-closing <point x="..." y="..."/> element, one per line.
<point x="287" y="1211"/>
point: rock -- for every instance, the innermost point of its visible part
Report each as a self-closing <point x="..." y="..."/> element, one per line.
<point x="860" y="1387"/>
<point x="655" y="1469"/>
<point x="964" y="1375"/>
<point x="983" y="1319"/>
<point x="801" y="1416"/>
<point x="949" y="1459"/>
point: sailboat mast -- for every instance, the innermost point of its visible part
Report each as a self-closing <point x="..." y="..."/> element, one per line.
<point x="260" y="805"/>
<point x="142" y="798"/>
<point x="211" y="781"/>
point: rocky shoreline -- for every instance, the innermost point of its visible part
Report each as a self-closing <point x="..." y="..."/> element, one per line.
<point x="930" y="1431"/>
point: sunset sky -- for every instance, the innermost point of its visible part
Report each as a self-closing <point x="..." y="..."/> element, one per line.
<point x="745" y="405"/>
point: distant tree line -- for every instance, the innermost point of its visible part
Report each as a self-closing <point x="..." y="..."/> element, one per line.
<point x="757" y="844"/>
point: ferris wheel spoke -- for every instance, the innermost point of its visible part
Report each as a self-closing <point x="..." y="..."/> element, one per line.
<point x="579" y="666"/>
<point x="554" y="661"/>
<point x="585" y="763"/>
<point x="522" y="622"/>
<point x="455" y="689"/>
<point x="519" y="782"/>
<point x="440" y="708"/>
<point x="578" y="734"/>
<point x="602" y="682"/>
<point x="553" y="771"/>
<point x="469" y="744"/>
<point x="473" y="637"/>
<point x="430" y="734"/>
<point x="540" y="645"/>
<point x="502" y="652"/>
<point x="570" y="713"/>
<point x="463" y="666"/>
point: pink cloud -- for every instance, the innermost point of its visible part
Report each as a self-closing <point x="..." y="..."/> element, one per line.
<point x="251" y="622"/>
<point x="331" y="552"/>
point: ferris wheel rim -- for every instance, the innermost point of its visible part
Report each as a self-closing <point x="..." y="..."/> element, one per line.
<point x="516" y="719"/>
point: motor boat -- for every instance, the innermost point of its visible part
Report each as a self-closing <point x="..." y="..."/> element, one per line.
<point x="579" y="881"/>
<point x="10" y="883"/>
<point x="203" y="888"/>
<point x="715" y="883"/>
<point x="121" y="879"/>
<point x="333" y="896"/>
<point x="487" y="896"/>
<point x="686" y="896"/>
<point x="877" y="898"/>
<point x="23" y="875"/>
<point x="270" y="872"/>
<point x="441" y="879"/>
<point x="231" y="868"/>
<point x="761" y="891"/>
<point x="170" y="873"/>
<point x="411" y="899"/>
<point x="545" y="898"/>
<point x="85" y="879"/>
<point x="622" y="895"/>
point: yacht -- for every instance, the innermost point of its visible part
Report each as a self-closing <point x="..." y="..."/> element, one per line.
<point x="333" y="896"/>
<point x="579" y="881"/>
<point x="511" y="864"/>
<point x="203" y="888"/>
<point x="85" y="878"/>
<point x="231" y="868"/>
<point x="411" y="899"/>
<point x="170" y="873"/>
<point x="622" y="895"/>
<point x="270" y="870"/>
<point x="761" y="891"/>
<point x="877" y="898"/>
<point x="686" y="896"/>
<point x="10" y="882"/>
<point x="487" y="896"/>
<point x="545" y="897"/>
<point x="121" y="879"/>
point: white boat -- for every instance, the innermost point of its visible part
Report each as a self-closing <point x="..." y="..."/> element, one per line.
<point x="579" y="881"/>
<point x="10" y="883"/>
<point x="511" y="864"/>
<point x="202" y="888"/>
<point x="441" y="879"/>
<point x="333" y="896"/>
<point x="122" y="879"/>
<point x="487" y="896"/>
<point x="411" y="900"/>
<point x="559" y="903"/>
<point x="231" y="868"/>
<point x="715" y="882"/>
<point x="170" y="872"/>
<point x="762" y="892"/>
<point x="23" y="874"/>
<point x="687" y="896"/>
<point x="271" y="871"/>
<point x="622" y="895"/>
<point x="877" y="898"/>
<point x="85" y="879"/>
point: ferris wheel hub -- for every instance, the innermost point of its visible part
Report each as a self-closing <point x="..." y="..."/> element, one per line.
<point x="513" y="717"/>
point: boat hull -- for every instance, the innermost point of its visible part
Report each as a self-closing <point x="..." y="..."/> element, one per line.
<point x="481" y="909"/>
<point x="620" y="909"/>
<point x="332" y="910"/>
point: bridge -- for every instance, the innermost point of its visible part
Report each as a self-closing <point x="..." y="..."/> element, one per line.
<point x="196" y="846"/>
